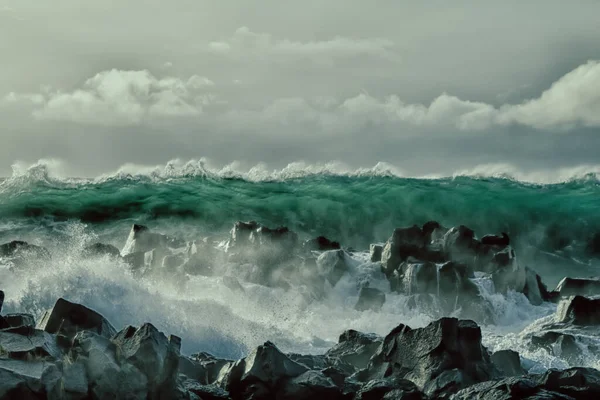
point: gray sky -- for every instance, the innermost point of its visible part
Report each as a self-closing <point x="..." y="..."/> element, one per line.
<point x="429" y="87"/>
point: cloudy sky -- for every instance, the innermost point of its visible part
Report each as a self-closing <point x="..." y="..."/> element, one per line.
<point x="427" y="86"/>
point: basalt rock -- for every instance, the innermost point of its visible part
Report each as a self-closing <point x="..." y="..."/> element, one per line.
<point x="68" y="318"/>
<point x="445" y="356"/>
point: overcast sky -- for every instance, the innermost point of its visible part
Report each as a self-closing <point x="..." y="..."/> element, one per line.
<point x="427" y="86"/>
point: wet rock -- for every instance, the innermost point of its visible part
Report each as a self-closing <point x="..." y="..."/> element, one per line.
<point x="494" y="240"/>
<point x="37" y="346"/>
<point x="355" y="348"/>
<point x="392" y="389"/>
<point x="23" y="324"/>
<point x="370" y="299"/>
<point x="446" y="355"/>
<point x="312" y="362"/>
<point x="506" y="389"/>
<point x="333" y="265"/>
<point x="559" y="344"/>
<point x="578" y="383"/>
<point x="68" y="318"/>
<point x="205" y="392"/>
<point x="309" y="385"/>
<point x="579" y="310"/>
<point x="240" y="234"/>
<point x="27" y="380"/>
<point x="153" y="354"/>
<point x="376" y="250"/>
<point x="1" y="299"/>
<point x="107" y="377"/>
<point x="321" y="243"/>
<point x="202" y="367"/>
<point x="260" y="373"/>
<point x="534" y="289"/>
<point x="508" y="363"/>
<point x="403" y="243"/>
<point x="507" y="274"/>
<point x="101" y="249"/>
<point x="460" y="245"/>
<point x="74" y="381"/>
<point x="141" y="239"/>
<point x="19" y="248"/>
<point x="578" y="286"/>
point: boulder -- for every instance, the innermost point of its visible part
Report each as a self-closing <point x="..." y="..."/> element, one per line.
<point x="534" y="289"/>
<point x="202" y="367"/>
<point x="101" y="249"/>
<point x="578" y="383"/>
<point x="23" y="324"/>
<point x="68" y="318"/>
<point x="153" y="354"/>
<point x="403" y="243"/>
<point x="309" y="385"/>
<point x="260" y="373"/>
<point x="559" y="344"/>
<point x="578" y="286"/>
<point x="370" y="299"/>
<point x="333" y="265"/>
<point x="579" y="310"/>
<point x="36" y="346"/>
<point x="107" y="377"/>
<point x="19" y="248"/>
<point x="321" y="243"/>
<point x="27" y="379"/>
<point x="389" y="389"/>
<point x="141" y="239"/>
<point x="355" y="348"/>
<point x="375" y="250"/>
<point x="496" y="240"/>
<point x="312" y="362"/>
<point x="446" y="355"/>
<point x="74" y="381"/>
<point x="507" y="273"/>
<point x="508" y="363"/>
<point x="459" y="244"/>
<point x="205" y="392"/>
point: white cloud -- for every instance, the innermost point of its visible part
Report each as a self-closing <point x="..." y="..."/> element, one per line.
<point x="244" y="43"/>
<point x="117" y="97"/>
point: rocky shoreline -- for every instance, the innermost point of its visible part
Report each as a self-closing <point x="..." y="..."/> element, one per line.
<point x="72" y="352"/>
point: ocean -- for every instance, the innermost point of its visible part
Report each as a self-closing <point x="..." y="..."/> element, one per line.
<point x="551" y="226"/>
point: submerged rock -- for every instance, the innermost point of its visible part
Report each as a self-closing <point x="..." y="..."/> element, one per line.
<point x="101" y="249"/>
<point x="68" y="318"/>
<point x="19" y="248"/>
<point x="370" y="299"/>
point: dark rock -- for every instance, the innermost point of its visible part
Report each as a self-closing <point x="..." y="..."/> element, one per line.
<point x="578" y="383"/>
<point x="370" y="299"/>
<point x="507" y="273"/>
<point x="205" y="392"/>
<point x="20" y="320"/>
<point x="578" y="286"/>
<point x="495" y="240"/>
<point x="508" y="363"/>
<point x="39" y="345"/>
<point x="153" y="354"/>
<point x="333" y="265"/>
<point x="202" y="367"/>
<point x="108" y="378"/>
<point x="141" y="239"/>
<point x="460" y="245"/>
<point x="321" y="243"/>
<point x="1" y="299"/>
<point x="593" y="245"/>
<point x="405" y="242"/>
<point x="392" y="389"/>
<point x="559" y="344"/>
<point x="68" y="318"/>
<point x="312" y="362"/>
<point x="446" y="355"/>
<point x="376" y="250"/>
<point x="310" y="385"/>
<point x="260" y="373"/>
<point x="74" y="381"/>
<point x="19" y="248"/>
<point x="27" y="380"/>
<point x="534" y="289"/>
<point x="507" y="389"/>
<point x="579" y="310"/>
<point x="240" y="233"/>
<point x="101" y="249"/>
<point x="355" y="348"/>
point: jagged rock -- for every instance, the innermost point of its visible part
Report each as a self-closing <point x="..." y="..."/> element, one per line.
<point x="333" y="265"/>
<point x="495" y="240"/>
<point x="23" y="324"/>
<point x="579" y="310"/>
<point x="578" y="383"/>
<point x="508" y="363"/>
<point x="101" y="249"/>
<point x="19" y="248"/>
<point x="375" y="250"/>
<point x="202" y="367"/>
<point x="74" y="381"/>
<point x="27" y="380"/>
<point x="403" y="243"/>
<point x="370" y="299"/>
<point x="310" y="385"/>
<point x="107" y="377"/>
<point x="507" y="274"/>
<point x="355" y="348"/>
<point x="205" y="392"/>
<point x="389" y="389"/>
<point x="446" y="355"/>
<point x="559" y="344"/>
<point x="578" y="286"/>
<point x="321" y="243"/>
<point x="38" y="345"/>
<point x="313" y="362"/>
<point x="507" y="389"/>
<point x="142" y="240"/>
<point x="534" y="289"/>
<point x="68" y="318"/>
<point x="260" y="372"/>
<point x="153" y="354"/>
<point x="460" y="245"/>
